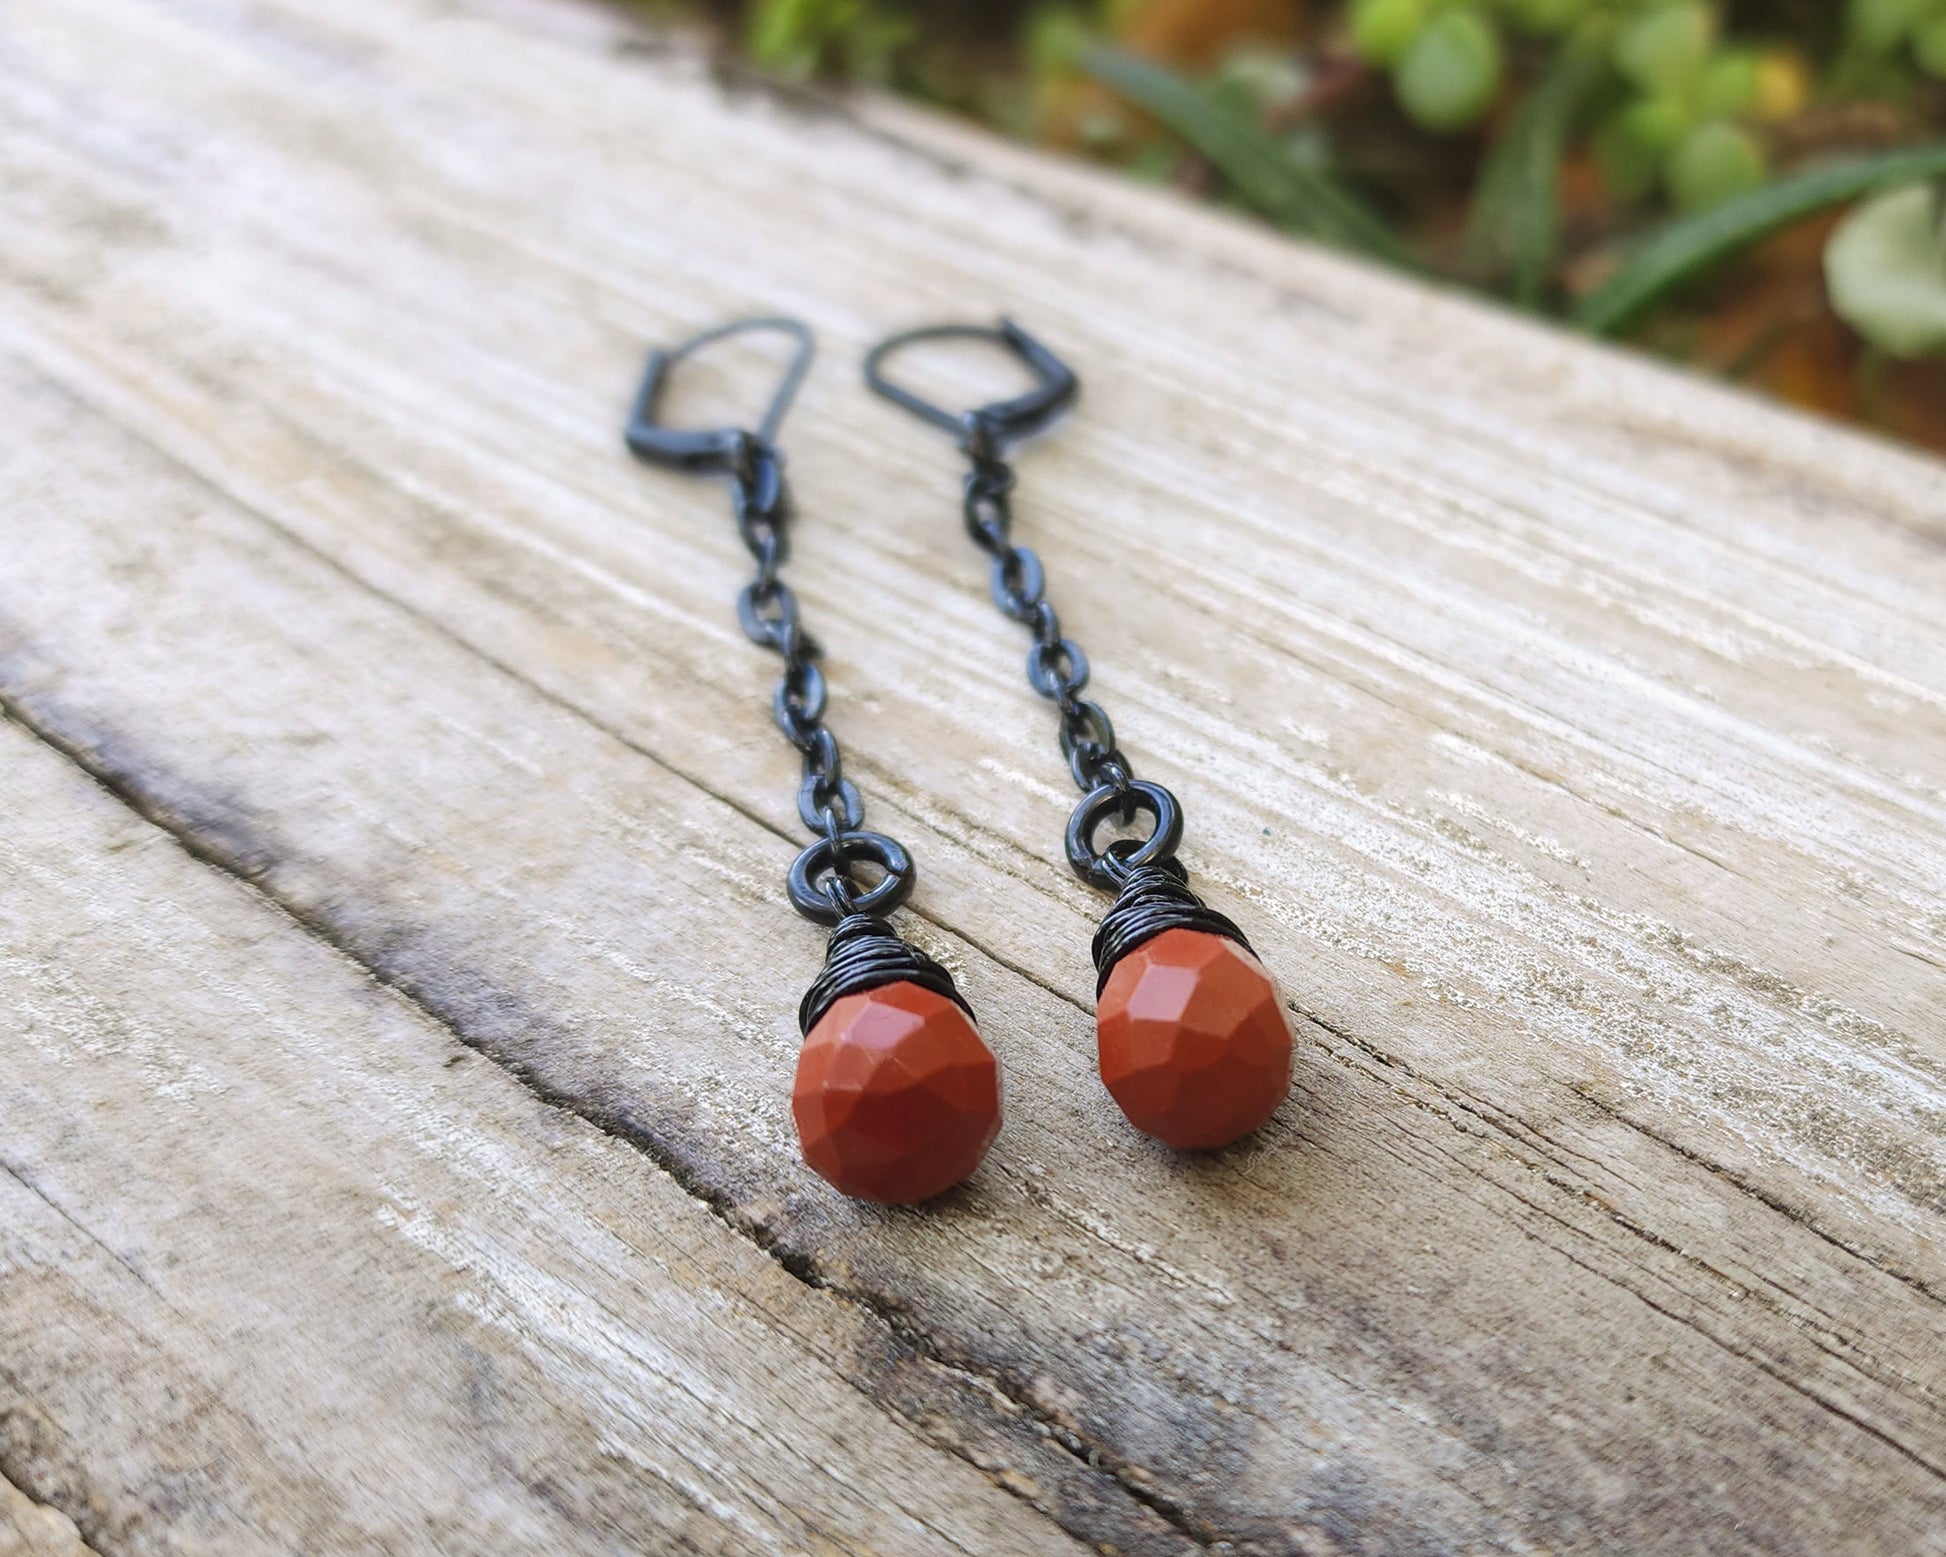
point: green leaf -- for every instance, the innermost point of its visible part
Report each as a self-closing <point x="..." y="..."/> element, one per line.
<point x="787" y="35"/>
<point x="1885" y="269"/>
<point x="1515" y="215"/>
<point x="1715" y="163"/>
<point x="1728" y="84"/>
<point x="1262" y="78"/>
<point x="1662" y="50"/>
<point x="1545" y="16"/>
<point x="1929" y="46"/>
<point x="1683" y="249"/>
<point x="802" y="37"/>
<point x="1382" y="30"/>
<point x="1634" y="142"/>
<point x="1262" y="170"/>
<point x="1880" y="26"/>
<point x="1451" y="74"/>
<point x="1054" y="37"/>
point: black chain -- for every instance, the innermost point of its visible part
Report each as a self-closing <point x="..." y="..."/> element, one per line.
<point x="828" y="802"/>
<point x="823" y="880"/>
<point x="1056" y="667"/>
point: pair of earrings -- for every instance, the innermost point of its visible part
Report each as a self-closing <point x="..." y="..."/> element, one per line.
<point x="897" y="1097"/>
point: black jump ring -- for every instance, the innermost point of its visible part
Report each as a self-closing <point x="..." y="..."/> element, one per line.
<point x="1046" y="623"/>
<point x="822" y="859"/>
<point x="1110" y="867"/>
<point x="765" y="543"/>
<point x="1111" y="772"/>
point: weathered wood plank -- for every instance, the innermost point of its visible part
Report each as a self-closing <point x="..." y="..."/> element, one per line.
<point x="30" y="1529"/>
<point x="348" y="1287"/>
<point x="1569" y="736"/>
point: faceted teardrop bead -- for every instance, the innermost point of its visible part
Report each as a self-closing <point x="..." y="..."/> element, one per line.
<point x="1194" y="1042"/>
<point x="896" y="1098"/>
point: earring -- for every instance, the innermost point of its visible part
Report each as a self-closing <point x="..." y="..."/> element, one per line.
<point x="1194" y="1044"/>
<point x="896" y="1097"/>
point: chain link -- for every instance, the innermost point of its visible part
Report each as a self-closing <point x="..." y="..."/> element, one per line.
<point x="828" y="803"/>
<point x="1056" y="667"/>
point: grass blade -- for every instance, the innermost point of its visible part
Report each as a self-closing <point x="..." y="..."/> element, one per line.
<point x="1262" y="171"/>
<point x="1690" y="245"/>
<point x="1514" y="220"/>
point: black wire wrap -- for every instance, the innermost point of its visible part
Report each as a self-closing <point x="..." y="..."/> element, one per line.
<point x="1152" y="899"/>
<point x="865" y="954"/>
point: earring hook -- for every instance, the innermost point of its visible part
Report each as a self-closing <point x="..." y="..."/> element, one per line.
<point x="1019" y="417"/>
<point x="712" y="448"/>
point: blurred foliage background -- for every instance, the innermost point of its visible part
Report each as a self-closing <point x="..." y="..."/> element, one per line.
<point x="1753" y="189"/>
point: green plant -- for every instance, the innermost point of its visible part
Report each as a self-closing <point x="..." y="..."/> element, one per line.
<point x="801" y="37"/>
<point x="1886" y="271"/>
<point x="1890" y="27"/>
<point x="1588" y="159"/>
<point x="1715" y="172"/>
<point x="1677" y="119"/>
<point x="1686" y="248"/>
<point x="1450" y="73"/>
<point x="1261" y="168"/>
<point x="1514" y="221"/>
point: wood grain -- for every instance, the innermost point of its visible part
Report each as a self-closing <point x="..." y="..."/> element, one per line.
<point x="349" y="1287"/>
<point x="30" y="1529"/>
<point x="1568" y="736"/>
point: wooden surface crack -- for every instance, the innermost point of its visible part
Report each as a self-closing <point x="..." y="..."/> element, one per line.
<point x="249" y="867"/>
<point x="1497" y="1132"/>
<point x="25" y="1180"/>
<point x="1783" y="1208"/>
<point x="250" y="862"/>
<point x="35" y="1529"/>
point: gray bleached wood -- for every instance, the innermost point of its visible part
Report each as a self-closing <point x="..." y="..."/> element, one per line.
<point x="1568" y="737"/>
<point x="30" y="1529"/>
<point x="287" y="1268"/>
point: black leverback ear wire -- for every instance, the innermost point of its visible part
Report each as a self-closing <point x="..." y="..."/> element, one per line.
<point x="912" y="1111"/>
<point x="1147" y="1070"/>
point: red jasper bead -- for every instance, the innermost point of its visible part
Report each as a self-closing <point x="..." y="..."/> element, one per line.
<point x="1194" y="1042"/>
<point x="896" y="1098"/>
